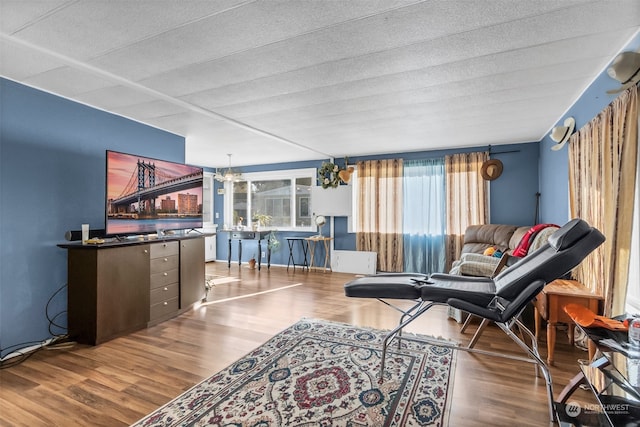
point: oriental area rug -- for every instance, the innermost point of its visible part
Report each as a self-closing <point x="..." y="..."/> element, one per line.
<point x="320" y="373"/>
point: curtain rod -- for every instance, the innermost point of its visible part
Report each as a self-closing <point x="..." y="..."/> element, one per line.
<point x="501" y="152"/>
<point x="504" y="152"/>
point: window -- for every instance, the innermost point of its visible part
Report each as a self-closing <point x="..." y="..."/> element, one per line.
<point x="424" y="219"/>
<point x="285" y="196"/>
<point x="207" y="199"/>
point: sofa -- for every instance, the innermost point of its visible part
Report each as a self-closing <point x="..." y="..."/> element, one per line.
<point x="497" y="239"/>
<point x="515" y="241"/>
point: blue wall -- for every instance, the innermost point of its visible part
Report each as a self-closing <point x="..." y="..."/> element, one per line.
<point x="513" y="196"/>
<point x="52" y="179"/>
<point x="554" y="165"/>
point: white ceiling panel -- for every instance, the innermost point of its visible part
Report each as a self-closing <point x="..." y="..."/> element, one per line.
<point x="150" y="110"/>
<point x="237" y="30"/>
<point x="441" y="95"/>
<point x="68" y="81"/>
<point x="85" y="29"/>
<point x="184" y="122"/>
<point x="274" y="81"/>
<point x="112" y="97"/>
<point x="245" y="146"/>
<point x="18" y="63"/>
<point x="15" y="14"/>
<point x="469" y="78"/>
<point x="398" y="69"/>
<point x="400" y="28"/>
<point x="431" y="112"/>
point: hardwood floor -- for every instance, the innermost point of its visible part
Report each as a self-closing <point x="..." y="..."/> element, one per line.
<point x="119" y="382"/>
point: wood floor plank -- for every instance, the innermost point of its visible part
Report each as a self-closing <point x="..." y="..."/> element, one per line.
<point x="15" y="410"/>
<point x="120" y="381"/>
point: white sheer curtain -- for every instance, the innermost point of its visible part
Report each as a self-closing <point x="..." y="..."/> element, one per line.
<point x="424" y="216"/>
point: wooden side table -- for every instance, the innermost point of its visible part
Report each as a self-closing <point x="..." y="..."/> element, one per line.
<point x="311" y="242"/>
<point x="549" y="305"/>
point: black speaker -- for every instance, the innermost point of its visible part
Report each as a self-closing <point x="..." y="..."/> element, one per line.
<point x="73" y="235"/>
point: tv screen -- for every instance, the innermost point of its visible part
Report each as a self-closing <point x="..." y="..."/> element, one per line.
<point x="146" y="195"/>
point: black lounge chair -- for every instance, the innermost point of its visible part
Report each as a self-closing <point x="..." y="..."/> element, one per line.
<point x="500" y="299"/>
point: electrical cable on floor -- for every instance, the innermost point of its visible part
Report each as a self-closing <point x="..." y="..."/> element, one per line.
<point x="52" y="319"/>
<point x="21" y="357"/>
<point x="56" y="342"/>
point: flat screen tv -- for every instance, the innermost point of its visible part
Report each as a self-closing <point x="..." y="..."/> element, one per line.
<point x="145" y="195"/>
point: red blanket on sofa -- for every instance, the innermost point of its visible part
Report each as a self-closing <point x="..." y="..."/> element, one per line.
<point x="525" y="243"/>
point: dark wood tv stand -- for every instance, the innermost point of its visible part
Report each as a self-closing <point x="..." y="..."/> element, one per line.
<point x="115" y="288"/>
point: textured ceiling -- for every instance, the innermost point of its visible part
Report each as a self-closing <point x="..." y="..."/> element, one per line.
<point x="274" y="81"/>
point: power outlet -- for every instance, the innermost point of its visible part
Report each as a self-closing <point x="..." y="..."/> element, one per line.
<point x="263" y="254"/>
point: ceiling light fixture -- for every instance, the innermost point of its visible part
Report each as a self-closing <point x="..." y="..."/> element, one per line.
<point x="229" y="175"/>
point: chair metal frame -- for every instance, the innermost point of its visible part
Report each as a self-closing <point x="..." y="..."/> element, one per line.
<point x="421" y="306"/>
<point x="500" y="300"/>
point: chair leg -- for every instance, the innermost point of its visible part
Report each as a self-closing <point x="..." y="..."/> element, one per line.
<point x="571" y="387"/>
<point x="533" y="352"/>
<point x="577" y="380"/>
<point x="479" y="331"/>
<point x="398" y="329"/>
<point x="466" y="323"/>
<point x="405" y="313"/>
<point x="534" y="346"/>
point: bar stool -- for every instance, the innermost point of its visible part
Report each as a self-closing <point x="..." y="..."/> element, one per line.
<point x="291" y="261"/>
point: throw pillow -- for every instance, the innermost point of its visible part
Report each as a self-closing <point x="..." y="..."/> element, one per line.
<point x="489" y="251"/>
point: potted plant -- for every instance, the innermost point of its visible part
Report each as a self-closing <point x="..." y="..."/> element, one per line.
<point x="272" y="241"/>
<point x="261" y="220"/>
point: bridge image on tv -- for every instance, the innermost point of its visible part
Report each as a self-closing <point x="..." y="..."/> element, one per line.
<point x="142" y="189"/>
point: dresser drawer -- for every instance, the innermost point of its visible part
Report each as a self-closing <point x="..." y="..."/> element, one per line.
<point x="246" y="235"/>
<point x="166" y="263"/>
<point x="164" y="293"/>
<point x="163" y="308"/>
<point x="164" y="249"/>
<point x="165" y="278"/>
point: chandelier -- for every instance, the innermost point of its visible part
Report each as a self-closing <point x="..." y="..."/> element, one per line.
<point x="228" y="175"/>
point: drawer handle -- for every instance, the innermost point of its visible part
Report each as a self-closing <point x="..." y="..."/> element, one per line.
<point x="166" y="259"/>
<point x="165" y="303"/>
<point x="165" y="274"/>
<point x="165" y="289"/>
<point x="146" y="251"/>
<point x="164" y="245"/>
